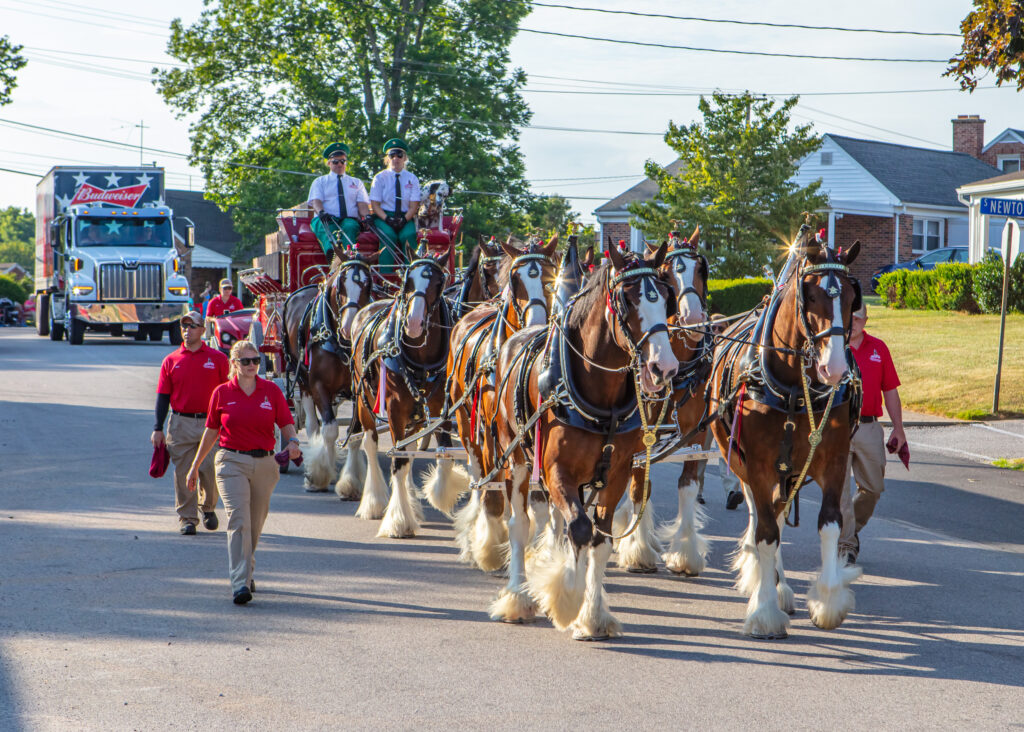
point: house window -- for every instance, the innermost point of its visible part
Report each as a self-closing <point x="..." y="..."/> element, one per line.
<point x="927" y="234"/>
<point x="1009" y="163"/>
<point x="826" y="158"/>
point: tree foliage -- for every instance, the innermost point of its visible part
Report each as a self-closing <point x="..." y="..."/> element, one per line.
<point x="272" y="83"/>
<point x="993" y="42"/>
<point x="544" y="215"/>
<point x="10" y="62"/>
<point x="14" y="290"/>
<point x="735" y="181"/>
<point x="17" y="224"/>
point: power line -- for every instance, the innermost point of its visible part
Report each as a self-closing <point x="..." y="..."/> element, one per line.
<point x="79" y="21"/>
<point x="109" y="58"/>
<point x="874" y="127"/>
<point x="772" y="54"/>
<point x="19" y="172"/>
<point x="531" y="127"/>
<point x="590" y="92"/>
<point x="746" y="22"/>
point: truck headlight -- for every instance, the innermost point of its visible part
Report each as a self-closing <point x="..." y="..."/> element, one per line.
<point x="177" y="290"/>
<point x="80" y="290"/>
<point x="226" y="338"/>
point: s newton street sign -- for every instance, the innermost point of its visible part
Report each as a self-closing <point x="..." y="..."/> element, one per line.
<point x="1002" y="207"/>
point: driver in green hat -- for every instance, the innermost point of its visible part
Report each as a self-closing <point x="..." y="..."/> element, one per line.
<point x="340" y="201"/>
<point x="395" y="200"/>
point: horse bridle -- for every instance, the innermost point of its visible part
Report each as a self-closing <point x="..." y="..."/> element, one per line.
<point x="534" y="271"/>
<point x="351" y="264"/>
<point x="676" y="259"/>
<point x="833" y="288"/>
<point x="406" y="299"/>
<point x="615" y="299"/>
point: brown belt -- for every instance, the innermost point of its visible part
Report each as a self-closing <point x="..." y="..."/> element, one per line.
<point x="868" y="420"/>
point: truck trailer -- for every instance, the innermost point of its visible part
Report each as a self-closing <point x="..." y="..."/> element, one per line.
<point x="105" y="255"/>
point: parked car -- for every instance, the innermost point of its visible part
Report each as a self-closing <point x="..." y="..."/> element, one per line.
<point x="925" y="261"/>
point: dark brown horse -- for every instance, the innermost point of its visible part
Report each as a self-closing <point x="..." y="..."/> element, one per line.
<point x="692" y="345"/>
<point x="525" y="278"/>
<point x="796" y="343"/>
<point x="399" y="355"/>
<point x="318" y="322"/>
<point x="588" y="372"/>
<point x="481" y="279"/>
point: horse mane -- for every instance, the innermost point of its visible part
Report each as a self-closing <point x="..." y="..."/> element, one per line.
<point x="591" y="296"/>
<point x="474" y="261"/>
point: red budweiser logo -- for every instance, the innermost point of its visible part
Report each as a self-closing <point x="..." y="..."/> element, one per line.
<point x="127" y="196"/>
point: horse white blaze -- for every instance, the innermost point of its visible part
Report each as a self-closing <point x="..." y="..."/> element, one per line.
<point x="353" y="288"/>
<point x="536" y="314"/>
<point x="691" y="311"/>
<point x="833" y="366"/>
<point x="660" y="363"/>
<point x="417" y="308"/>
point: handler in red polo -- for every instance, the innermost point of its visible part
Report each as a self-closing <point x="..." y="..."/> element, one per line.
<point x="242" y="416"/>
<point x="188" y="377"/>
<point x="226" y="303"/>
<point x="867" y="447"/>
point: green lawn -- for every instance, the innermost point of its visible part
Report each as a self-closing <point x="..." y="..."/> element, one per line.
<point x="947" y="361"/>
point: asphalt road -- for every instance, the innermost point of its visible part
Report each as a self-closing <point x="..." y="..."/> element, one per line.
<point x="111" y="620"/>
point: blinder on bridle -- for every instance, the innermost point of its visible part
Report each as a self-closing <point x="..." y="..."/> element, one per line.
<point x="438" y="267"/>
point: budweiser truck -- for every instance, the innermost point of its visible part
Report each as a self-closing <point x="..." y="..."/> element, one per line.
<point x="105" y="255"/>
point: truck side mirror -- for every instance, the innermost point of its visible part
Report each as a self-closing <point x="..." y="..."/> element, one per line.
<point x="190" y="237"/>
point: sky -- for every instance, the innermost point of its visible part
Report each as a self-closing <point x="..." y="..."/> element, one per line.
<point x="68" y="86"/>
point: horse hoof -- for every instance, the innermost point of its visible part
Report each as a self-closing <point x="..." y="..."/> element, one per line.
<point x="685" y="573"/>
<point x="314" y="489"/>
<point x="590" y="638"/>
<point x="735" y="499"/>
<point x="769" y="636"/>
<point x="642" y="570"/>
<point x="700" y="500"/>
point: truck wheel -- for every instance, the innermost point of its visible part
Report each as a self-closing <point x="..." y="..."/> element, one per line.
<point x="76" y="332"/>
<point x="140" y="334"/>
<point x="174" y="333"/>
<point x="42" y="315"/>
<point x="156" y="333"/>
<point x="56" y="329"/>
<point x="116" y="331"/>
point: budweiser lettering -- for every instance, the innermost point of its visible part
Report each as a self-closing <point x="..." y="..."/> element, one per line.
<point x="127" y="196"/>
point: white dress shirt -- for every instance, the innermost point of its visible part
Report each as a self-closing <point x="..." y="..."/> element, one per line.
<point x="382" y="190"/>
<point x="325" y="188"/>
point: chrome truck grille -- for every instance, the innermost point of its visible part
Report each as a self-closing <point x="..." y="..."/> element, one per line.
<point x="144" y="282"/>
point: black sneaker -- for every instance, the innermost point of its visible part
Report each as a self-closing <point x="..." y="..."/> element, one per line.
<point x="734" y="499"/>
<point x="242" y="596"/>
<point x="188" y="529"/>
<point x="210" y="520"/>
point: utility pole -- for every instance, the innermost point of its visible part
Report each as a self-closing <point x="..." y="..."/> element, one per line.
<point x="142" y="128"/>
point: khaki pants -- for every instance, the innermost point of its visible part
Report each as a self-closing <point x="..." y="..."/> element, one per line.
<point x="246" y="484"/>
<point x="867" y="468"/>
<point x="183" y="436"/>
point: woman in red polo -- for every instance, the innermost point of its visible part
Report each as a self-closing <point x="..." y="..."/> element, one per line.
<point x="241" y="417"/>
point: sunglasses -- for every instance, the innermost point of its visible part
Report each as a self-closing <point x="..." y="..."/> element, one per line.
<point x="249" y="361"/>
<point x="189" y="324"/>
<point x="396" y="154"/>
<point x="340" y="161"/>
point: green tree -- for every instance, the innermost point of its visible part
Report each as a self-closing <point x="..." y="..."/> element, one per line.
<point x="545" y="215"/>
<point x="10" y="62"/>
<point x="735" y="181"/>
<point x="17" y="224"/>
<point x="993" y="42"/>
<point x="15" y="290"/>
<point x="270" y="84"/>
<point x="20" y="252"/>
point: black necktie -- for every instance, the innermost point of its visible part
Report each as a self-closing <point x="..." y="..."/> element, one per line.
<point x="398" y="194"/>
<point x="342" y="208"/>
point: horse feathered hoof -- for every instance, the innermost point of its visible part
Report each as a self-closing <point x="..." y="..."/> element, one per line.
<point x="642" y="570"/>
<point x="684" y="572"/>
<point x="606" y="630"/>
<point x="513" y="607"/>
<point x="310" y="488"/>
<point x="770" y="636"/>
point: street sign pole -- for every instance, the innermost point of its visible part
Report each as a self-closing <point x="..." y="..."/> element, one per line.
<point x="1011" y="243"/>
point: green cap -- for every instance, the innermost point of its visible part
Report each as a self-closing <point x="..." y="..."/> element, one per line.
<point x="394" y="143"/>
<point x="334" y="148"/>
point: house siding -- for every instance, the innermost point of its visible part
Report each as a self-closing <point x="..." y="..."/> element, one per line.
<point x="844" y="181"/>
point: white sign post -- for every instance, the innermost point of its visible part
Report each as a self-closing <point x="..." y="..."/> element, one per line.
<point x="1011" y="250"/>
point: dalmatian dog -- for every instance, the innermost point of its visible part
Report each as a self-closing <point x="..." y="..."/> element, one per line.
<point x="431" y="214"/>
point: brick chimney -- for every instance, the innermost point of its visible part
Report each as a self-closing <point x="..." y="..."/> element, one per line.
<point x="969" y="134"/>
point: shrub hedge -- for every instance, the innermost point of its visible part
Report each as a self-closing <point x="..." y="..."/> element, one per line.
<point x="730" y="297"/>
<point x="967" y="288"/>
<point x="13" y="289"/>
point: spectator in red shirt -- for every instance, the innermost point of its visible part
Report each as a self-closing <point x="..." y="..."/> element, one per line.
<point x="226" y="303"/>
<point x="241" y="419"/>
<point x="188" y="377"/>
<point x="867" y="447"/>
